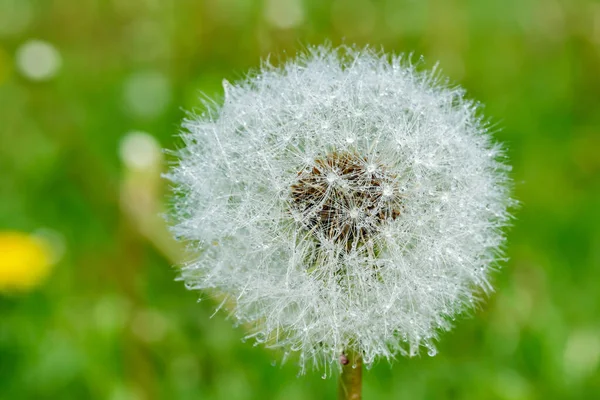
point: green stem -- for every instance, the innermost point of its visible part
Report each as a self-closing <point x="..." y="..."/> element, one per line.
<point x="350" y="380"/>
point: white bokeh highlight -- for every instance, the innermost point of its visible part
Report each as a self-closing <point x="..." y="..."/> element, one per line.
<point x="139" y="150"/>
<point x="38" y="60"/>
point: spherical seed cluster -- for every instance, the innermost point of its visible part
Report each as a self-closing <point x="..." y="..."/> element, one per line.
<point x="342" y="201"/>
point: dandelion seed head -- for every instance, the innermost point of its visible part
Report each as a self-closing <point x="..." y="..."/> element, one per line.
<point x="358" y="204"/>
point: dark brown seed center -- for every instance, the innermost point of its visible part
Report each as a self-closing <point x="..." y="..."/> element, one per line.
<point x="345" y="198"/>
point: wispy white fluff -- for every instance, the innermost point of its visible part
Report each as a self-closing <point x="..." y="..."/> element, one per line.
<point x="302" y="290"/>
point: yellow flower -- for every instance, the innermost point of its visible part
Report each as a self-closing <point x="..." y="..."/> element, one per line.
<point x="25" y="261"/>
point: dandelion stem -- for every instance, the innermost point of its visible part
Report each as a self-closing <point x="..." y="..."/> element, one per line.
<point x="350" y="380"/>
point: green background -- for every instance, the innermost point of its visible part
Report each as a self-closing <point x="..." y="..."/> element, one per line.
<point x="111" y="322"/>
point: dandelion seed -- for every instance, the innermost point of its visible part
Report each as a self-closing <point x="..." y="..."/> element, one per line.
<point x="352" y="196"/>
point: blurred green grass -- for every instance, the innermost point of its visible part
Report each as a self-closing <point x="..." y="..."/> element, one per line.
<point x="111" y="322"/>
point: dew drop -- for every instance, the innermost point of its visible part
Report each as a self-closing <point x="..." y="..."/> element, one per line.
<point x="431" y="352"/>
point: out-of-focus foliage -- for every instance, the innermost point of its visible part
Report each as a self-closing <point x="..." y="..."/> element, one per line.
<point x="80" y="83"/>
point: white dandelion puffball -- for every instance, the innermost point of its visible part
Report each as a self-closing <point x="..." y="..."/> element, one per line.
<point x="345" y="201"/>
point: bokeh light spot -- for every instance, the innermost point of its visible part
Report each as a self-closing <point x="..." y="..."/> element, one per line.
<point x="147" y="93"/>
<point x="145" y="40"/>
<point x="284" y="14"/>
<point x="582" y="354"/>
<point x="139" y="150"/>
<point x="38" y="60"/>
<point x="25" y="261"/>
